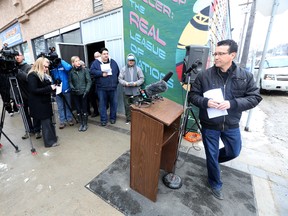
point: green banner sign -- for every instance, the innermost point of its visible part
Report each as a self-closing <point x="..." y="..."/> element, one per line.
<point x="157" y="32"/>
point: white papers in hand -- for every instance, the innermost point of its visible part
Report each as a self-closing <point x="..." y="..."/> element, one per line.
<point x="216" y="95"/>
<point x="106" y="68"/>
<point x="59" y="89"/>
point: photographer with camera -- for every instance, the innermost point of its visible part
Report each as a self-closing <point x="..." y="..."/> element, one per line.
<point x="60" y="70"/>
<point x="8" y="68"/>
<point x="23" y="69"/>
<point x="40" y="90"/>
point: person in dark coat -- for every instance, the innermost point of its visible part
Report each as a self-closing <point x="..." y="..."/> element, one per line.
<point x="106" y="72"/>
<point x="40" y="89"/>
<point x="80" y="84"/>
<point x="222" y="93"/>
<point x="23" y="69"/>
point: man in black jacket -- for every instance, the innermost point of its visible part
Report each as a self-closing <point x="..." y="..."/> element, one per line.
<point x="222" y="93"/>
<point x="23" y="69"/>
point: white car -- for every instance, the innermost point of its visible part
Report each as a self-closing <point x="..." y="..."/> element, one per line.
<point x="274" y="74"/>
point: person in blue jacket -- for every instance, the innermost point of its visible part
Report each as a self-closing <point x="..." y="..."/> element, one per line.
<point x="60" y="74"/>
<point x="106" y="72"/>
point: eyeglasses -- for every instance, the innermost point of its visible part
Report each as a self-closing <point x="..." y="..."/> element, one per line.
<point x="220" y="53"/>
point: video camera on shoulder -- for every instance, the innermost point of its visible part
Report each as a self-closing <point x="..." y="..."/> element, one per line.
<point x="52" y="57"/>
<point x="7" y="61"/>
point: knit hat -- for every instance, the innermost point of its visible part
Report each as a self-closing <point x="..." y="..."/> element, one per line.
<point x="130" y="57"/>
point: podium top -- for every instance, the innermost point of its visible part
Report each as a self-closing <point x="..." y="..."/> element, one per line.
<point x="165" y="111"/>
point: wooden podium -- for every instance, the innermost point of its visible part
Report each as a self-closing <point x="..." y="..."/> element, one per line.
<point x="154" y="144"/>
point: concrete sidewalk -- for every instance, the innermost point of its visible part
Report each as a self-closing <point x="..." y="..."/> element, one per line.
<point x="52" y="182"/>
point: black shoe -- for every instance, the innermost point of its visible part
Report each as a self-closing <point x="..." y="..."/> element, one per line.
<point x="25" y="136"/>
<point x="38" y="135"/>
<point x="112" y="121"/>
<point x="217" y="193"/>
<point x="94" y="115"/>
<point x="103" y="124"/>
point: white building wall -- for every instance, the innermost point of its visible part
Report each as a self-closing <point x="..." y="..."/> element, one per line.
<point x="109" y="28"/>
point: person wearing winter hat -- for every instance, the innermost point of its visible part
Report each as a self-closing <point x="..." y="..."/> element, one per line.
<point x="131" y="78"/>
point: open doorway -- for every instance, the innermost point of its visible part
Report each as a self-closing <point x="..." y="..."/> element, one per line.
<point x="65" y="51"/>
<point x="91" y="49"/>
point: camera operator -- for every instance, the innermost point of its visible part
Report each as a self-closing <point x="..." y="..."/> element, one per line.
<point x="23" y="69"/>
<point x="4" y="80"/>
<point x="60" y="74"/>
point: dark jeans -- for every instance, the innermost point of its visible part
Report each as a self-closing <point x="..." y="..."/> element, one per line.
<point x="64" y="104"/>
<point x="109" y="97"/>
<point x="93" y="100"/>
<point x="5" y="93"/>
<point x="34" y="127"/>
<point x="232" y="146"/>
<point x="80" y="103"/>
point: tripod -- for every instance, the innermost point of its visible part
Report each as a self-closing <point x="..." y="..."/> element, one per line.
<point x="69" y="107"/>
<point x="20" y="104"/>
<point x="172" y="180"/>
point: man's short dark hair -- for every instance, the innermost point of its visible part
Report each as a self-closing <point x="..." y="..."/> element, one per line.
<point x="233" y="47"/>
<point x="103" y="49"/>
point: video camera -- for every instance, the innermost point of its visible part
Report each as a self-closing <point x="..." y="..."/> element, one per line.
<point x="52" y="57"/>
<point x="57" y="82"/>
<point x="7" y="61"/>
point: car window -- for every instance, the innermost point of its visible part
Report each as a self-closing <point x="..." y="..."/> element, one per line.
<point x="276" y="62"/>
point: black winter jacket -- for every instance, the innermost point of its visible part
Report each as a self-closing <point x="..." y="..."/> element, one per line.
<point x="80" y="81"/>
<point x="21" y="76"/>
<point x="39" y="97"/>
<point x="240" y="89"/>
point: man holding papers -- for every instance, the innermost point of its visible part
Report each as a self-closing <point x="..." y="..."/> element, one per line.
<point x="106" y="72"/>
<point x="222" y="93"/>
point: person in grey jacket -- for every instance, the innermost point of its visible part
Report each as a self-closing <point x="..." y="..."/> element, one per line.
<point x="80" y="84"/>
<point x="131" y="78"/>
<point x="239" y="92"/>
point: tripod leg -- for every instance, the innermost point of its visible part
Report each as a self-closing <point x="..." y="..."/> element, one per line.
<point x="2" y="117"/>
<point x="16" y="147"/>
<point x="20" y="104"/>
<point x="197" y="122"/>
<point x="69" y="107"/>
<point x="1" y="129"/>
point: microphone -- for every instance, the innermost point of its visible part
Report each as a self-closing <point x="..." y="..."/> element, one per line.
<point x="167" y="76"/>
<point x="155" y="88"/>
<point x="196" y="65"/>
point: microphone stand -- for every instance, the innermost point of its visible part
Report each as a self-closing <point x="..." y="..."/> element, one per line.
<point x="171" y="180"/>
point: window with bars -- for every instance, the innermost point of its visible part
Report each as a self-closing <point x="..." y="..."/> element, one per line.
<point x="97" y="5"/>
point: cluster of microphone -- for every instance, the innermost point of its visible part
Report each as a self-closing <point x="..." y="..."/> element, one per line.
<point x="146" y="95"/>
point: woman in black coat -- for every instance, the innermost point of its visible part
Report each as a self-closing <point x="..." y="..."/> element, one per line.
<point x="40" y="89"/>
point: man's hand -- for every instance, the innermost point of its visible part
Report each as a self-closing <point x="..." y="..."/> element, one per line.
<point x="104" y="74"/>
<point x="225" y="105"/>
<point x="131" y="84"/>
<point x="221" y="106"/>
